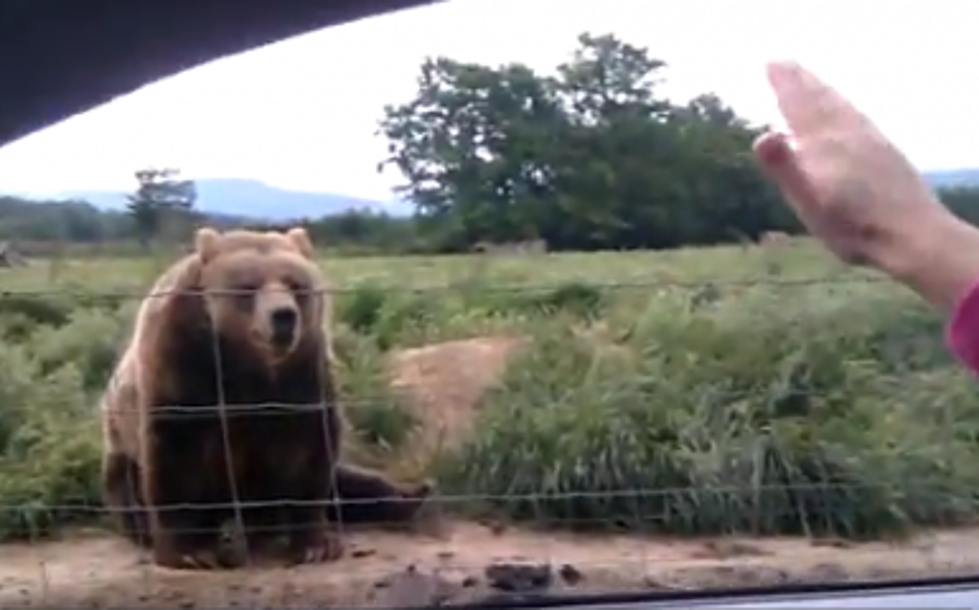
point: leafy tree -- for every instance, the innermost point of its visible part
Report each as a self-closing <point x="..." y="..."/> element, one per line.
<point x="590" y="157"/>
<point x="361" y="231"/>
<point x="161" y="200"/>
<point x="473" y="147"/>
<point x="963" y="200"/>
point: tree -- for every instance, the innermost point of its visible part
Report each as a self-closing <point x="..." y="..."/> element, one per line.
<point x="590" y="157"/>
<point x="473" y="146"/>
<point x="963" y="200"/>
<point x="161" y="201"/>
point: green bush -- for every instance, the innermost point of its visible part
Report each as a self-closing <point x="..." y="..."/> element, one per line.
<point x="378" y="417"/>
<point x="46" y="309"/>
<point x="575" y="297"/>
<point x="385" y="315"/>
<point x="49" y="450"/>
<point x="91" y="340"/>
<point x="361" y="307"/>
<point x="801" y="413"/>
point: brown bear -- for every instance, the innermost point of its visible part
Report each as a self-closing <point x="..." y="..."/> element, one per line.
<point x="223" y="406"/>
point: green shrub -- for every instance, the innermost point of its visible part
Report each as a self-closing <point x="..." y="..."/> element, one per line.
<point x="49" y="453"/>
<point x="581" y="299"/>
<point x="760" y="414"/>
<point x="378" y="417"/>
<point x="44" y="309"/>
<point x="91" y="340"/>
<point x="361" y="307"/>
<point x="408" y="319"/>
<point x="16" y="327"/>
<point x="385" y="315"/>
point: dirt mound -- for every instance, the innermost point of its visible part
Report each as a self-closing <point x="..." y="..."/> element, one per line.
<point x="446" y="382"/>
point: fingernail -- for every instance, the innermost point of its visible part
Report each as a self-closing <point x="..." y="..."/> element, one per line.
<point x="782" y="70"/>
<point x="784" y="64"/>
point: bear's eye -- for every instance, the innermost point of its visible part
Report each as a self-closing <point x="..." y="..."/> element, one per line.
<point x="247" y="289"/>
<point x="298" y="286"/>
<point x="244" y="293"/>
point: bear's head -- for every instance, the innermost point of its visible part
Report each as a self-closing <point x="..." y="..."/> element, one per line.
<point x="262" y="290"/>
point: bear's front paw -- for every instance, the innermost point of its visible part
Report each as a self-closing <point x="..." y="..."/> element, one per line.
<point x="414" y="499"/>
<point x="422" y="490"/>
<point x="321" y="547"/>
<point x="418" y="512"/>
<point x="196" y="560"/>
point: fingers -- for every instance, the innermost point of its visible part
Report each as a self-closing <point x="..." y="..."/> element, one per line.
<point x="780" y="164"/>
<point x="802" y="99"/>
<point x="806" y="102"/>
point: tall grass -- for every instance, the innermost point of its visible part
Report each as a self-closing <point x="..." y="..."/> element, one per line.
<point x="668" y="405"/>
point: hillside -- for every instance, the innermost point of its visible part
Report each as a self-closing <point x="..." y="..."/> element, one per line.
<point x="953" y="177"/>
<point x="225" y="198"/>
<point x="255" y="199"/>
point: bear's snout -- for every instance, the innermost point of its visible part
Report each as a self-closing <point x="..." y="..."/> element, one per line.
<point x="283" y="322"/>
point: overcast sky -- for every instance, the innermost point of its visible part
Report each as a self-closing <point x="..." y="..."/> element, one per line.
<point x="302" y="113"/>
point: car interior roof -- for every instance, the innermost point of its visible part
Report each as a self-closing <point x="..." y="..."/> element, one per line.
<point x="59" y="58"/>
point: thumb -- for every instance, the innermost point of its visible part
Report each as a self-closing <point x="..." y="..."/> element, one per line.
<point x="781" y="165"/>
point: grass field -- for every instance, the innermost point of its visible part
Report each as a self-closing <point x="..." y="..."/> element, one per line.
<point x="750" y="390"/>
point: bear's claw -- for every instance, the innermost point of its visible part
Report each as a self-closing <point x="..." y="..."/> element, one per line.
<point x="327" y="548"/>
<point x="199" y="560"/>
<point x="205" y="560"/>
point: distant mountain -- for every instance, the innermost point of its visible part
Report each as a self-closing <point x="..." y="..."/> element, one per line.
<point x="255" y="199"/>
<point x="953" y="177"/>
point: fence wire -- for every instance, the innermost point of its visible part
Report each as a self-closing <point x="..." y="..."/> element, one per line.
<point x="640" y="442"/>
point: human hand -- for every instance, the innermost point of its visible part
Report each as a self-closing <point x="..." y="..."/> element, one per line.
<point x="849" y="185"/>
<point x="855" y="191"/>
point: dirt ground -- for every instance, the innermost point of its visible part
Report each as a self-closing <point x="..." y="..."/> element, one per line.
<point x="457" y="561"/>
<point x="445" y="382"/>
<point x="465" y="562"/>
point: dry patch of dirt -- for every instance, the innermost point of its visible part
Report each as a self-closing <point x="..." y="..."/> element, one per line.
<point x="446" y="382"/>
<point x="467" y="562"/>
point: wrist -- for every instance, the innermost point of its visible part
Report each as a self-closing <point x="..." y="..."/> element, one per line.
<point x="937" y="256"/>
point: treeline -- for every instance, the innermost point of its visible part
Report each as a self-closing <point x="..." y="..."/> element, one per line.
<point x="40" y="227"/>
<point x="72" y="221"/>
<point x="591" y="156"/>
<point x="43" y="225"/>
<point x="963" y="200"/>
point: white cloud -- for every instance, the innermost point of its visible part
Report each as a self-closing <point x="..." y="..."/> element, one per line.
<point x="302" y="113"/>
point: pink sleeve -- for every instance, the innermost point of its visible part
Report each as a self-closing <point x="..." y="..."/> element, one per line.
<point x="962" y="332"/>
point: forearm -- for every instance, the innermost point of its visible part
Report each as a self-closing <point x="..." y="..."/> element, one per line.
<point x="940" y="261"/>
<point x="937" y="257"/>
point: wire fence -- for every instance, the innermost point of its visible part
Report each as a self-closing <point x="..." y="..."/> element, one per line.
<point x="655" y="437"/>
<point x="662" y="283"/>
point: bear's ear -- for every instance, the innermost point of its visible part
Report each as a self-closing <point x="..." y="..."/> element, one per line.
<point x="206" y="243"/>
<point x="299" y="238"/>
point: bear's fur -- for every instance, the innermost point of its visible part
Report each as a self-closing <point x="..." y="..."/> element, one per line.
<point x="215" y="331"/>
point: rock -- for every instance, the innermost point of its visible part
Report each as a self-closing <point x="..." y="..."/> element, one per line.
<point x="519" y="577"/>
<point x="570" y="574"/>
<point x="416" y="589"/>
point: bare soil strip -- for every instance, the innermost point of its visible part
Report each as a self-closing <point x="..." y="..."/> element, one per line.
<point x="95" y="570"/>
